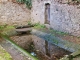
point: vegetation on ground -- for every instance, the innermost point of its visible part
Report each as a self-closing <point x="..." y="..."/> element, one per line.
<point x="38" y="25"/>
<point x="6" y="29"/>
<point x="58" y="32"/>
<point x="4" y="55"/>
<point x="9" y="29"/>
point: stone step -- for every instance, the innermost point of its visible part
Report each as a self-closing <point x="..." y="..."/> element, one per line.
<point x="23" y="31"/>
<point x="26" y="26"/>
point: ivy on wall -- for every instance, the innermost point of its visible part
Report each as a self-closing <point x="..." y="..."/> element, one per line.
<point x="27" y="2"/>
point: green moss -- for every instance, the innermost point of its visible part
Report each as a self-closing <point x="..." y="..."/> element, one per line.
<point x="38" y="25"/>
<point x="58" y="32"/>
<point x="4" y="55"/>
<point x="6" y="29"/>
<point x="29" y="23"/>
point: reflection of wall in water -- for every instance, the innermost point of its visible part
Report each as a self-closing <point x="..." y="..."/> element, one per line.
<point x="42" y="45"/>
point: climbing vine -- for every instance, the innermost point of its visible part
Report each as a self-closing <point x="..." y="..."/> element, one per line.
<point x="27" y="2"/>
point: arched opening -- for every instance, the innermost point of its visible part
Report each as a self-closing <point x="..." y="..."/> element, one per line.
<point x="47" y="13"/>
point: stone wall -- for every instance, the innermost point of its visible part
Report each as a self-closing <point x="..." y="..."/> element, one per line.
<point x="13" y="13"/>
<point x="66" y="18"/>
<point x="63" y="17"/>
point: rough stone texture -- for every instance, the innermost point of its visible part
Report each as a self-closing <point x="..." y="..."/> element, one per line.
<point x="3" y="0"/>
<point x="22" y="41"/>
<point x="66" y="19"/>
<point x="63" y="17"/>
<point x="13" y="13"/>
<point x="39" y="44"/>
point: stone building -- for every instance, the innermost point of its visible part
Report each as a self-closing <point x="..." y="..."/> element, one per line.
<point x="62" y="15"/>
<point x="58" y="14"/>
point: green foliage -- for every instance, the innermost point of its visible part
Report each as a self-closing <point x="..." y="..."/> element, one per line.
<point x="27" y="2"/>
<point x="4" y="55"/>
<point x="4" y="29"/>
<point x="38" y="25"/>
<point x="29" y="23"/>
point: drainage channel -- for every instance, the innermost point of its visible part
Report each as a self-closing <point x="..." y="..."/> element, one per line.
<point x="39" y="48"/>
<point x="34" y="46"/>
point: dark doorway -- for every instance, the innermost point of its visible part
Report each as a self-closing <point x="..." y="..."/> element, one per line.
<point x="47" y="13"/>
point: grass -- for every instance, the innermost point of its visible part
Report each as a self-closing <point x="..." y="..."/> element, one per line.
<point x="4" y="55"/>
<point x="38" y="25"/>
<point x="58" y="32"/>
<point x="6" y="29"/>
